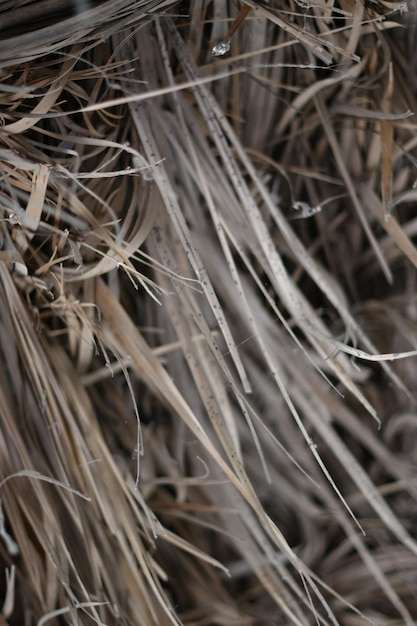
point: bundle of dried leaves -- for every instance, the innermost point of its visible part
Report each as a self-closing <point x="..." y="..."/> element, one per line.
<point x="208" y="319"/>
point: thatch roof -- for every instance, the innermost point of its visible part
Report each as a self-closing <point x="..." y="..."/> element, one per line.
<point x="208" y="312"/>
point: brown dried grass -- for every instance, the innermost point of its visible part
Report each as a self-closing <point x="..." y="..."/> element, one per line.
<point x="208" y="313"/>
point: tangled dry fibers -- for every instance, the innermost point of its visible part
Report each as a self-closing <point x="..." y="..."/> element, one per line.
<point x="208" y="320"/>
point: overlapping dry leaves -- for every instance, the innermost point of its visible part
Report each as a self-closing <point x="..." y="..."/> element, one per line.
<point x="208" y="313"/>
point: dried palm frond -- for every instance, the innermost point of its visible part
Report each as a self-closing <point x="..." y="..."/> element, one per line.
<point x="208" y="312"/>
